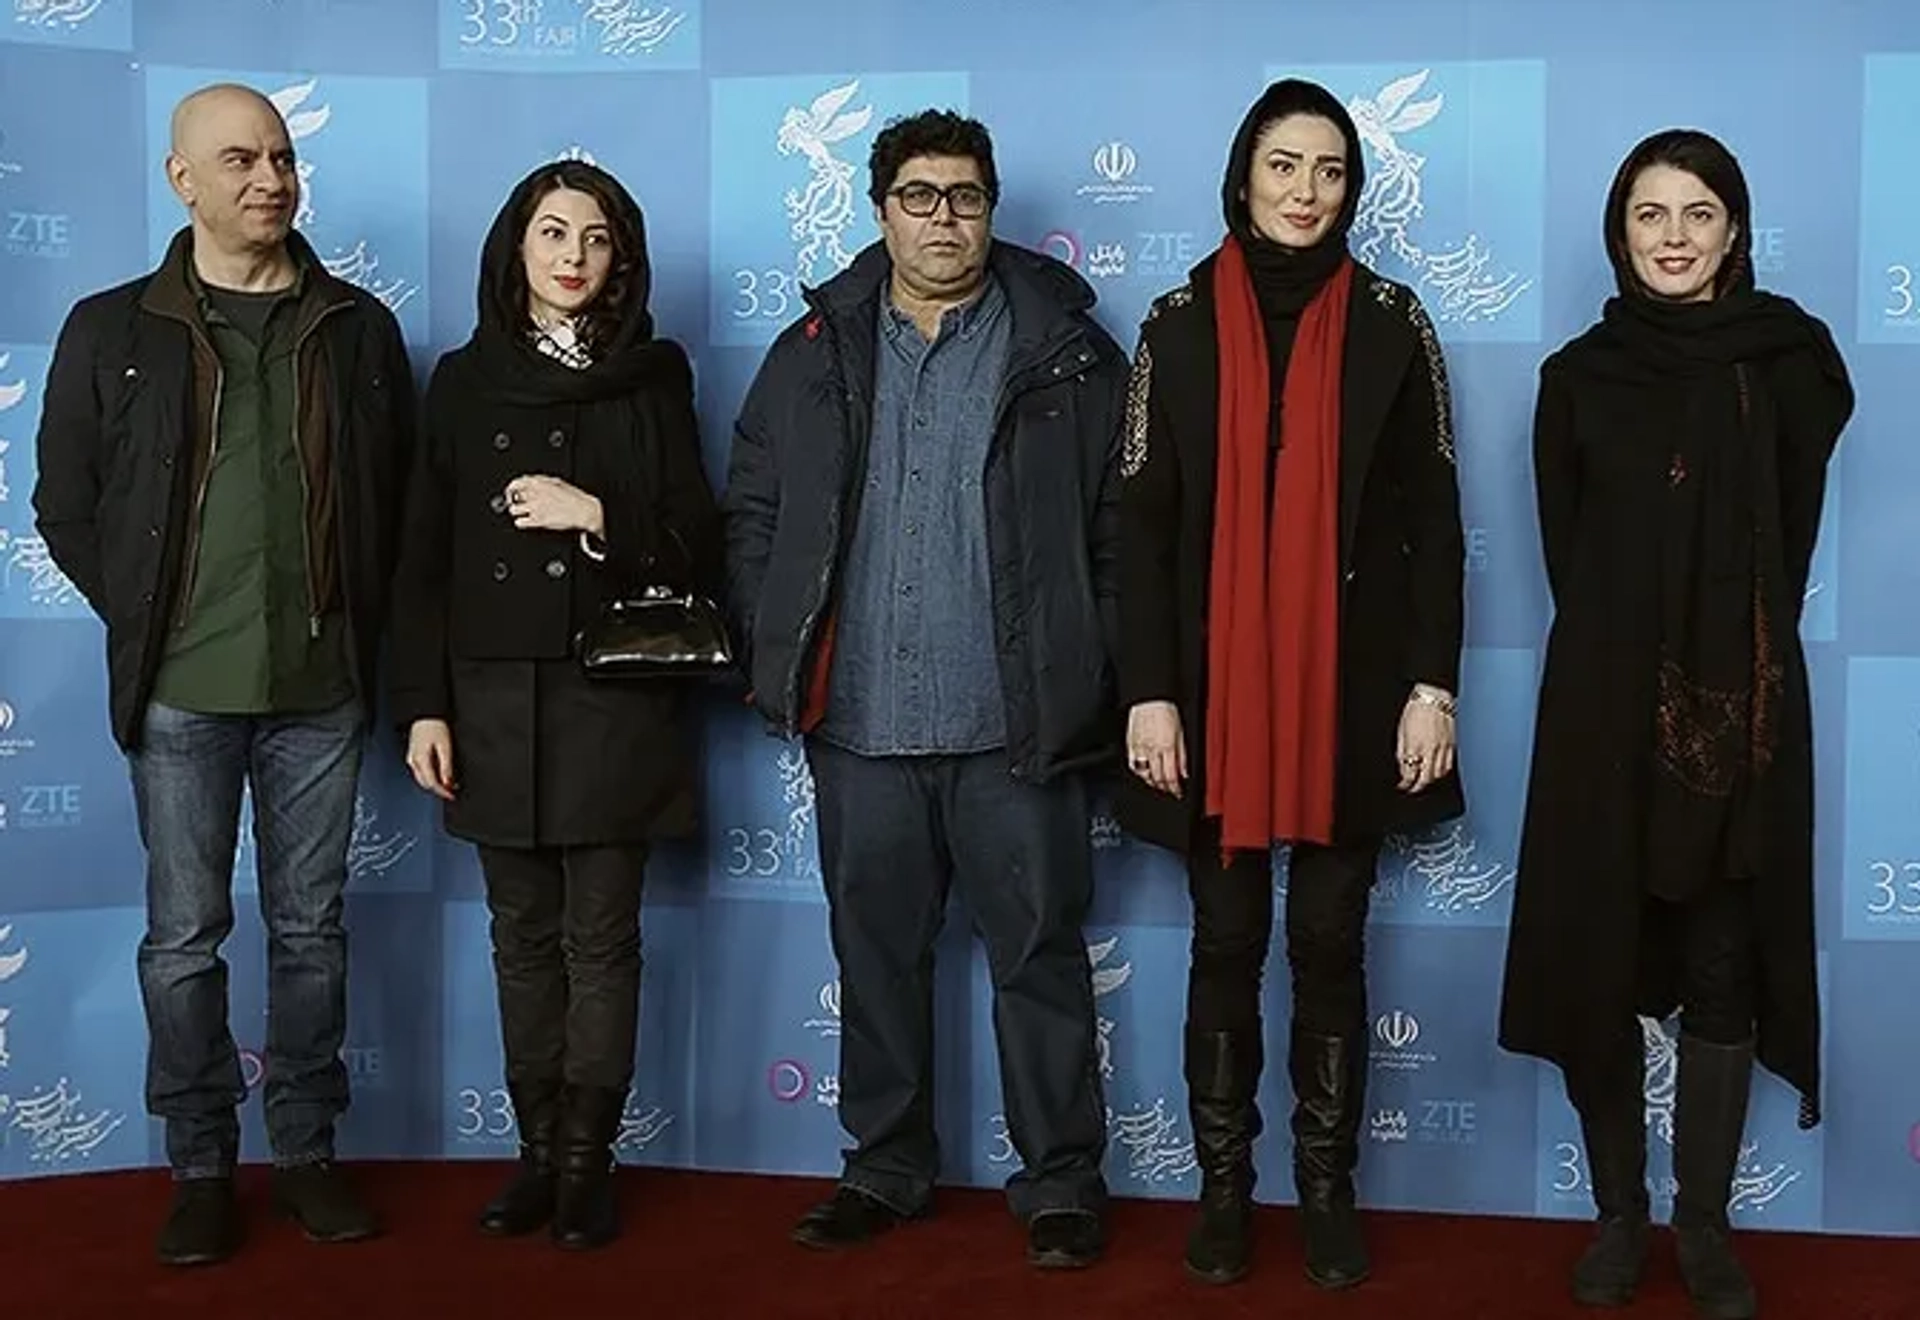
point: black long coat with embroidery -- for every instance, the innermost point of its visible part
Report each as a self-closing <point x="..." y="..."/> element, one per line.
<point x="1402" y="552"/>
<point x="1586" y="947"/>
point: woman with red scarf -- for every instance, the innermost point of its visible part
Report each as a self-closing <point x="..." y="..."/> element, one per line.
<point x="1291" y="627"/>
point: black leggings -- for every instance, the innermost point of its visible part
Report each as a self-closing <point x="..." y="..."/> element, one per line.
<point x="1712" y="938"/>
<point x="1327" y="894"/>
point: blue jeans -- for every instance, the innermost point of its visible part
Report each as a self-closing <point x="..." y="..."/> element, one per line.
<point x="896" y="833"/>
<point x="187" y="780"/>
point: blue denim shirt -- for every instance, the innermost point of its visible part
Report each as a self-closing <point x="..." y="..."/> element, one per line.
<point x="915" y="670"/>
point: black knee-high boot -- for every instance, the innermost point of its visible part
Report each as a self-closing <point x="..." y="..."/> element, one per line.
<point x="1329" y="1086"/>
<point x="1613" y="1125"/>
<point x="1709" y="1121"/>
<point x="1223" y="1075"/>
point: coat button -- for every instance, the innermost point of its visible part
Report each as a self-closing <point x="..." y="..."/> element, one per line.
<point x="501" y="439"/>
<point x="131" y="373"/>
<point x="500" y="570"/>
<point x="556" y="437"/>
<point x="154" y="532"/>
<point x="556" y="568"/>
<point x="1352" y="574"/>
<point x="498" y="503"/>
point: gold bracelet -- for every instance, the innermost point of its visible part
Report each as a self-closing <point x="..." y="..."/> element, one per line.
<point x="1440" y="701"/>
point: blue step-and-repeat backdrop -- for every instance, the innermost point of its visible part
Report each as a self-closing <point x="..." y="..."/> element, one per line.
<point x="1492" y="128"/>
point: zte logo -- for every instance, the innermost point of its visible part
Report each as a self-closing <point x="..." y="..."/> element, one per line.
<point x="46" y="806"/>
<point x="38" y="234"/>
<point x="1397" y="1029"/>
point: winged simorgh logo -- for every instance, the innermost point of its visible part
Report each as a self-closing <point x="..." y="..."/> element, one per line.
<point x="823" y="211"/>
<point x="1467" y="285"/>
<point x="356" y="265"/>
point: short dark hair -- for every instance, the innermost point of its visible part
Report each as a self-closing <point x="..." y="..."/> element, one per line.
<point x="1707" y="159"/>
<point x="930" y="133"/>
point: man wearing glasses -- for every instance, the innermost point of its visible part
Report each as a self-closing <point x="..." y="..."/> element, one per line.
<point x="922" y="512"/>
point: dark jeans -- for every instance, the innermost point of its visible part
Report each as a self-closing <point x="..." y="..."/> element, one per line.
<point x="895" y="832"/>
<point x="187" y="781"/>
<point x="1714" y="938"/>
<point x="566" y="961"/>
<point x="1327" y="894"/>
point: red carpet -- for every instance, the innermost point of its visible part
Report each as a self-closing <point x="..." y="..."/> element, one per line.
<point x="715" y="1247"/>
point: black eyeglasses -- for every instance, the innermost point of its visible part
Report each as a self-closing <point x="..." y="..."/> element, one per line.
<point x="967" y="201"/>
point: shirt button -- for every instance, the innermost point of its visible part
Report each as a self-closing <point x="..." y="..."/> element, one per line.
<point x="921" y="420"/>
<point x="915" y="474"/>
<point x="556" y="437"/>
<point x="500" y="570"/>
<point x="498" y="503"/>
<point x="556" y="568"/>
<point x="903" y="652"/>
<point x="911" y="529"/>
<point x="501" y="440"/>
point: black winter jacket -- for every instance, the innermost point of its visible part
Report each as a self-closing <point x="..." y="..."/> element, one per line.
<point x="128" y="400"/>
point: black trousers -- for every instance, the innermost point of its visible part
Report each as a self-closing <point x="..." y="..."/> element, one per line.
<point x="895" y="833"/>
<point x="566" y="960"/>
<point x="1328" y="889"/>
<point x="1712" y="937"/>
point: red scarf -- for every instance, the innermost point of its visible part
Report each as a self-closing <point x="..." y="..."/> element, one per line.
<point x="1273" y="681"/>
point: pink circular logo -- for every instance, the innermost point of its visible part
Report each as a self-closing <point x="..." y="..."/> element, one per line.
<point x="1063" y="245"/>
<point x="252" y="1068"/>
<point x="787" y="1080"/>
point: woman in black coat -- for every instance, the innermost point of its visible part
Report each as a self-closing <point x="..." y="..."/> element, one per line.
<point x="1680" y="453"/>
<point x="561" y="470"/>
<point x="1291" y="609"/>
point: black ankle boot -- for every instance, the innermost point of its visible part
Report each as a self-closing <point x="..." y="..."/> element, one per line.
<point x="526" y="1202"/>
<point x="1329" y="1086"/>
<point x="1613" y="1126"/>
<point x="586" y="1212"/>
<point x="1223" y="1073"/>
<point x="1709" y="1121"/>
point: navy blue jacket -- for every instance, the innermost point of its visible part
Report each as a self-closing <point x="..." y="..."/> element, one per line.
<point x="1052" y="491"/>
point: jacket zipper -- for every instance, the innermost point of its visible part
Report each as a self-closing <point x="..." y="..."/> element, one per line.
<point x="306" y="492"/>
<point x="200" y="494"/>
<point x="823" y="583"/>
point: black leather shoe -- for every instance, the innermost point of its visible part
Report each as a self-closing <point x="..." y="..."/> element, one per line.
<point x="319" y="1198"/>
<point x="848" y="1218"/>
<point x="1065" y="1239"/>
<point x="203" y="1226"/>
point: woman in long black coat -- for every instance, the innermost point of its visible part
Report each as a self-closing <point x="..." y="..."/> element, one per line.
<point x="1291" y="630"/>
<point x="560" y="470"/>
<point x="1680" y="451"/>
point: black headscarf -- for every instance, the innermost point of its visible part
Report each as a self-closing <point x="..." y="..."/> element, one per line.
<point x="1286" y="278"/>
<point x="1751" y="395"/>
<point x="626" y="356"/>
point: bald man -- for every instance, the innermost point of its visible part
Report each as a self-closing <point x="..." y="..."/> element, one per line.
<point x="222" y="452"/>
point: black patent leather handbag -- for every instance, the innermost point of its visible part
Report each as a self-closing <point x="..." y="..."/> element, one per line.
<point x="658" y="632"/>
